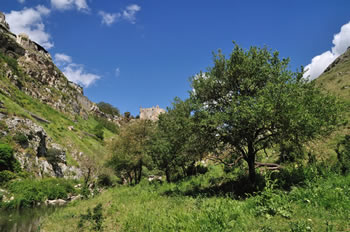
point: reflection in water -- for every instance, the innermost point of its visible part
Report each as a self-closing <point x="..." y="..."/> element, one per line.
<point x="24" y="220"/>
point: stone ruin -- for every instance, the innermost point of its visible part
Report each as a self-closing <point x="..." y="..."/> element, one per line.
<point x="151" y="113"/>
<point x="3" y="22"/>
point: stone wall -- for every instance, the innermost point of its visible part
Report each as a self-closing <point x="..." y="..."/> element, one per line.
<point x="151" y="113"/>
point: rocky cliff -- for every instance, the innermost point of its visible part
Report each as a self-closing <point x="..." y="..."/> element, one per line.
<point x="42" y="114"/>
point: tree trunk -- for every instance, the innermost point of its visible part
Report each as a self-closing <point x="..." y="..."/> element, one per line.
<point x="251" y="166"/>
<point x="167" y="174"/>
<point x="139" y="172"/>
<point x="251" y="163"/>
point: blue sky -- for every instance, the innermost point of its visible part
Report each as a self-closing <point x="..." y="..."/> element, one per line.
<point x="142" y="52"/>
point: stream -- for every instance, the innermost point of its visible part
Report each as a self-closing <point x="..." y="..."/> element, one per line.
<point x="24" y="220"/>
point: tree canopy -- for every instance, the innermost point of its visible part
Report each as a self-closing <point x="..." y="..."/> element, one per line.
<point x="129" y="153"/>
<point x="252" y="102"/>
<point x="108" y="109"/>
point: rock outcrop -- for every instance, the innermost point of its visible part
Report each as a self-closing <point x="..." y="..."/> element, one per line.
<point x="45" y="81"/>
<point x="39" y="155"/>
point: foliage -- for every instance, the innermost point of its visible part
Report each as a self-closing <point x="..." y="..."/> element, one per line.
<point x="104" y="180"/>
<point x="7" y="160"/>
<point x="95" y="218"/>
<point x="10" y="61"/>
<point x="253" y="102"/>
<point x="175" y="146"/>
<point x="98" y="131"/>
<point x="21" y="139"/>
<point x="6" y="176"/>
<point x="128" y="150"/>
<point x="108" y="109"/>
<point x="52" y="155"/>
<point x="320" y="204"/>
<point x="272" y="202"/>
<point x="29" y="192"/>
<point x="111" y="126"/>
<point x="343" y="154"/>
<point x="85" y="191"/>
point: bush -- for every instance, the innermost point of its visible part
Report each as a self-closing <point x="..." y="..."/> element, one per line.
<point x="7" y="160"/>
<point x="28" y="192"/>
<point x="52" y="155"/>
<point x="6" y="176"/>
<point x="21" y="139"/>
<point x="98" y="132"/>
<point x="108" y="109"/>
<point x="343" y="154"/>
<point x="95" y="218"/>
<point x="111" y="126"/>
<point x="104" y="180"/>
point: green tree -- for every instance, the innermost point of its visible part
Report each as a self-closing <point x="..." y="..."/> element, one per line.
<point x="129" y="152"/>
<point x="176" y="146"/>
<point x="108" y="109"/>
<point x="253" y="102"/>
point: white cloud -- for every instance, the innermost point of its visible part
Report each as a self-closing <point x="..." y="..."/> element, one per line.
<point x="21" y="1"/>
<point x="341" y="42"/>
<point x="81" y="5"/>
<point x="129" y="14"/>
<point x="75" y="72"/>
<point x="117" y="72"/>
<point x="61" y="58"/>
<point x="30" y="22"/>
<point x="108" y="18"/>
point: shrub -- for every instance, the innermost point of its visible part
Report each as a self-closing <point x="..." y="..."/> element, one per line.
<point x="85" y="191"/>
<point x="7" y="160"/>
<point x="3" y="126"/>
<point x="21" y="139"/>
<point x="98" y="131"/>
<point x="28" y="192"/>
<point x="52" y="155"/>
<point x="111" y="126"/>
<point x="108" y="109"/>
<point x="343" y="154"/>
<point x="6" y="176"/>
<point x="95" y="218"/>
<point x="104" y="180"/>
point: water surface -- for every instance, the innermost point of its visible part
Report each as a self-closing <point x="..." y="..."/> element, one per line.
<point x="24" y="220"/>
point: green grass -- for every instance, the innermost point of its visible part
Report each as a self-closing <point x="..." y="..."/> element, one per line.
<point x="322" y="204"/>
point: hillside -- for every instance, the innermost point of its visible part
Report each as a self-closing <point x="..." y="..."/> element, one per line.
<point x="48" y="113"/>
<point x="336" y="77"/>
<point x="335" y="80"/>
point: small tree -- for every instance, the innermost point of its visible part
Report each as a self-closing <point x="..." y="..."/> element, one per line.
<point x="129" y="150"/>
<point x="176" y="145"/>
<point x="108" y="109"/>
<point x="253" y="102"/>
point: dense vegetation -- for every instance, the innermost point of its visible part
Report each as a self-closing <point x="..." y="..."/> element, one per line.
<point x="318" y="201"/>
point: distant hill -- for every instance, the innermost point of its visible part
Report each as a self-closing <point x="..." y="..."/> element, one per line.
<point x="336" y="77"/>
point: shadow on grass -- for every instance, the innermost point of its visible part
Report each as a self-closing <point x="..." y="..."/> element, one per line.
<point x="238" y="189"/>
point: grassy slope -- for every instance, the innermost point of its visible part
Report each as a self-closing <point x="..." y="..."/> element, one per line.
<point x="336" y="81"/>
<point x="74" y="141"/>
